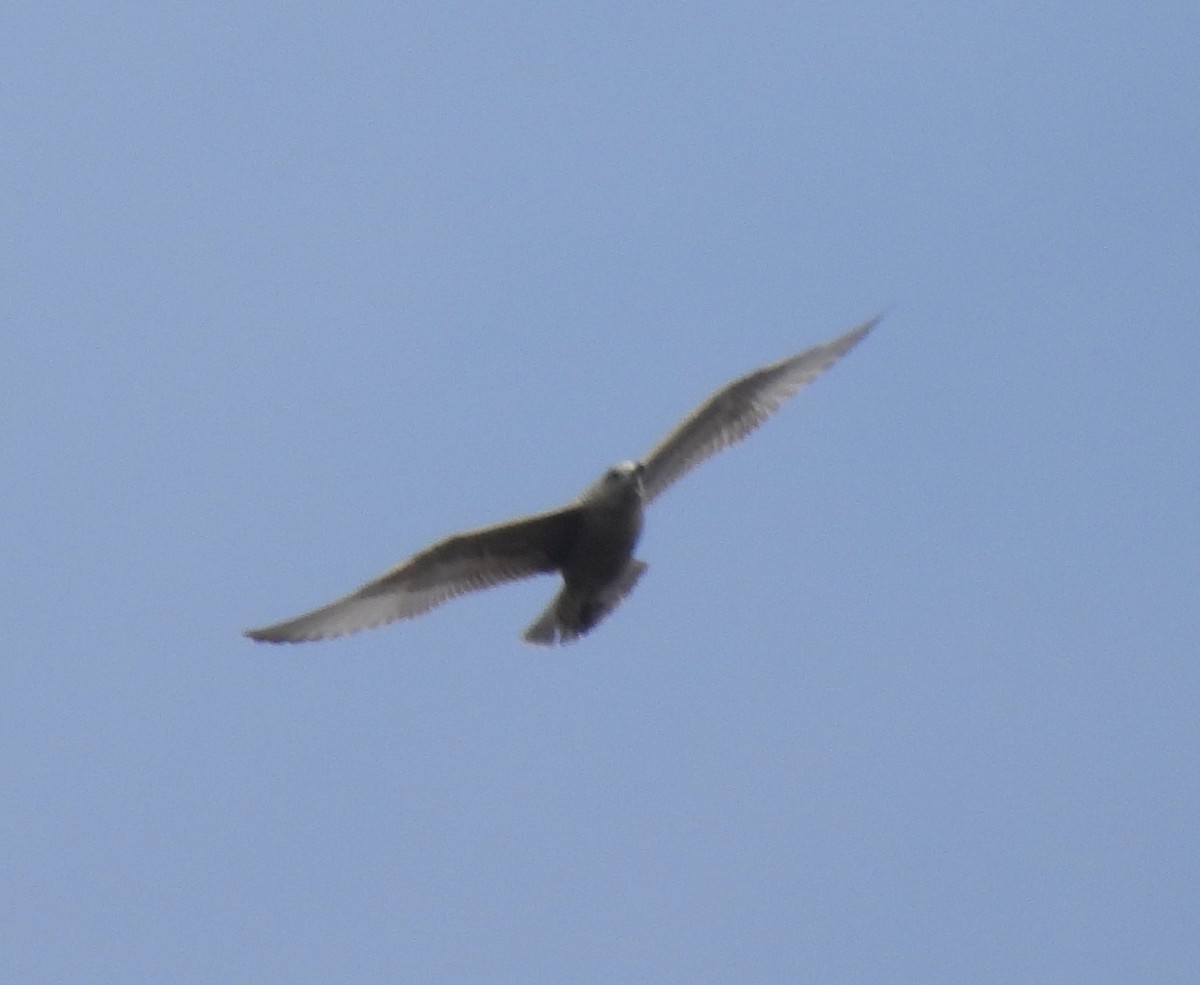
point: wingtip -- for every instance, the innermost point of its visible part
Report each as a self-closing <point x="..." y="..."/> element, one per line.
<point x="274" y="635"/>
<point x="259" y="636"/>
<point x="844" y="343"/>
<point x="865" y="328"/>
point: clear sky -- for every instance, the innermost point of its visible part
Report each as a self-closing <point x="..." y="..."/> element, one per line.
<point x="910" y="692"/>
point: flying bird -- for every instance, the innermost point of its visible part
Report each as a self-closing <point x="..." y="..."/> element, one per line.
<point x="590" y="541"/>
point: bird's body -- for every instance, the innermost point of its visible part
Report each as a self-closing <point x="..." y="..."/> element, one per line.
<point x="590" y="541"/>
<point x="599" y="569"/>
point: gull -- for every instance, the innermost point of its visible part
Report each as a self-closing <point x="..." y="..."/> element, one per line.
<point x="589" y="542"/>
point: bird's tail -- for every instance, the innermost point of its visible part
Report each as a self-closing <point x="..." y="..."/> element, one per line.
<point x="575" y="611"/>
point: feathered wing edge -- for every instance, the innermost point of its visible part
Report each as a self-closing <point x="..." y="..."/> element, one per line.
<point x="738" y="408"/>
<point x="466" y="562"/>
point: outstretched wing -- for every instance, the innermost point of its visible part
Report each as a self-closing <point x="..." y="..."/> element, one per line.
<point x="737" y="409"/>
<point x="466" y="562"/>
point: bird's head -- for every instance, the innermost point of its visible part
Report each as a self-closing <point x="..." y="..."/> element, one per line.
<point x="622" y="481"/>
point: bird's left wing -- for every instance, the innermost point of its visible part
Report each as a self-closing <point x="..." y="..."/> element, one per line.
<point x="466" y="562"/>
<point x="737" y="409"/>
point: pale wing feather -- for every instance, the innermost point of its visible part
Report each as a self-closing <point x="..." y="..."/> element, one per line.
<point x="466" y="562"/>
<point x="737" y="409"/>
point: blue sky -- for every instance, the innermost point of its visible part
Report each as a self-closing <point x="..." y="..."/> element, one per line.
<point x="909" y="692"/>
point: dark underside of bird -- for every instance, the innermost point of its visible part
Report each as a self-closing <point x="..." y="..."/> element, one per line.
<point x="589" y="542"/>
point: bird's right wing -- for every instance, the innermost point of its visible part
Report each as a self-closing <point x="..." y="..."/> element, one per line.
<point x="737" y="409"/>
<point x="466" y="562"/>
